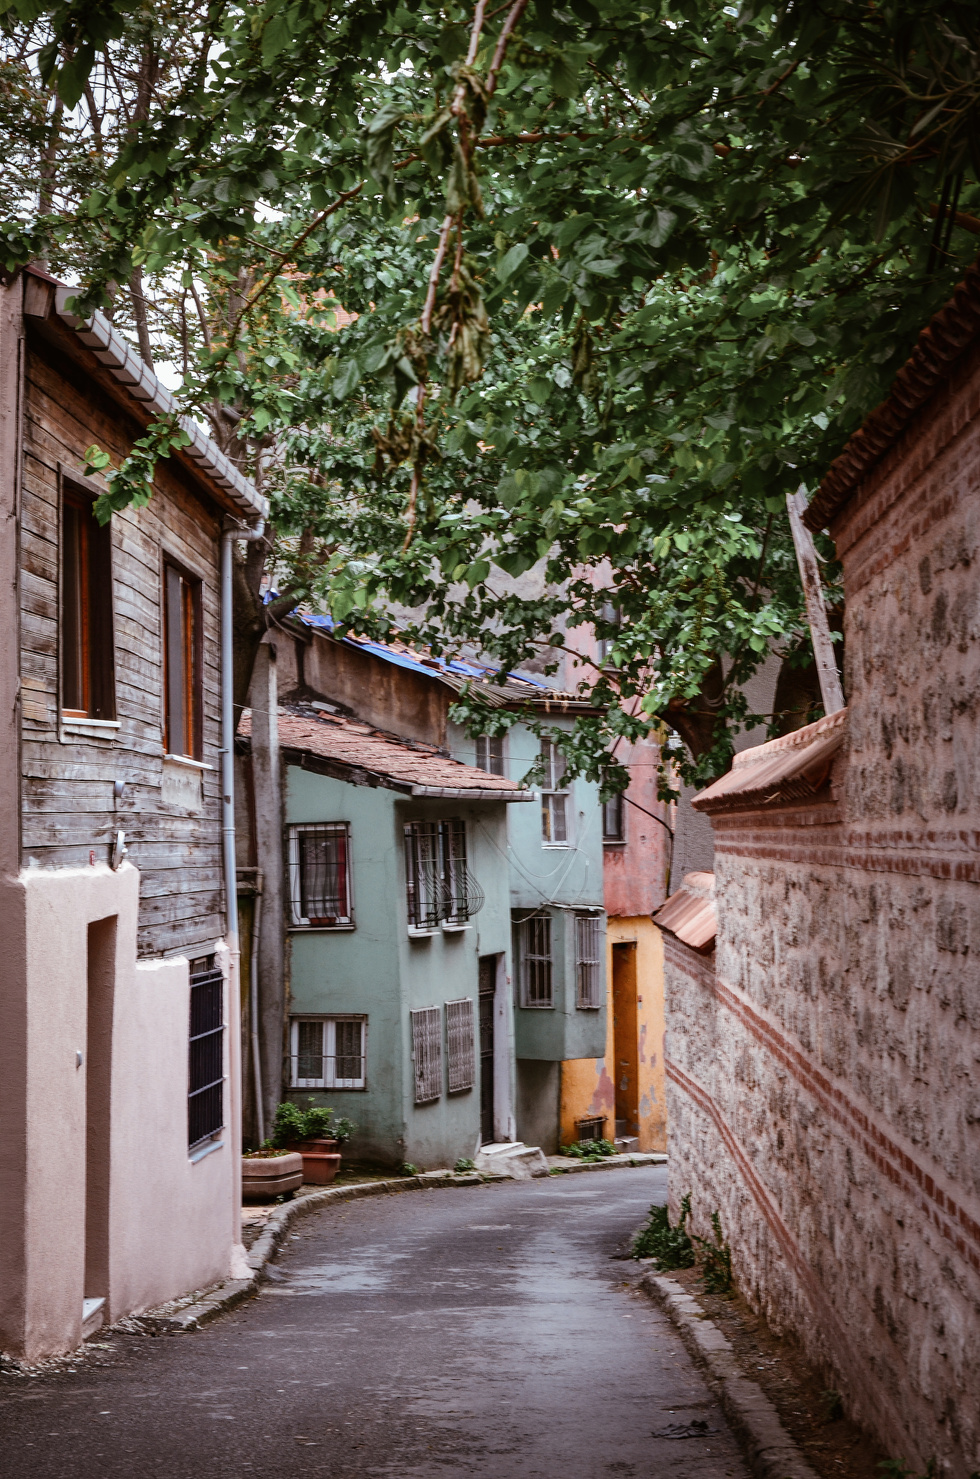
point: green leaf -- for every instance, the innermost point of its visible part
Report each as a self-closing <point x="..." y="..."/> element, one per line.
<point x="511" y="261"/>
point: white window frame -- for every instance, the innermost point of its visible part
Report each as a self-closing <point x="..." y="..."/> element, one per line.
<point x="344" y="921"/>
<point x="527" y="930"/>
<point x="554" y="796"/>
<point x="588" y="962"/>
<point x="427" y="1054"/>
<point x="460" y="1045"/>
<point x="490" y="753"/>
<point x="328" y="1078"/>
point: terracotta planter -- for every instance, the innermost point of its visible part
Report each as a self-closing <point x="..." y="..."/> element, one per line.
<point x="321" y="1161"/>
<point x="269" y="1177"/>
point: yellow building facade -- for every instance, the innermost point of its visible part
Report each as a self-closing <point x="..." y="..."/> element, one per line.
<point x="627" y="1084"/>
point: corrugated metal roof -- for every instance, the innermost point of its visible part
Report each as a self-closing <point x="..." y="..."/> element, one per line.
<point x="953" y="330"/>
<point x="384" y="759"/>
<point x="790" y="768"/>
<point x="690" y="913"/>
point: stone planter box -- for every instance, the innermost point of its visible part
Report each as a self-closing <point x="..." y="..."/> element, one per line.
<point x="321" y="1160"/>
<point x="268" y="1177"/>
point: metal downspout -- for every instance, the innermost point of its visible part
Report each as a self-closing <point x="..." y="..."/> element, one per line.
<point x="228" y="858"/>
<point x="253" y="1007"/>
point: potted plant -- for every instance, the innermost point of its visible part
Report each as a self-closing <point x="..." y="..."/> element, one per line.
<point x="315" y="1133"/>
<point x="270" y="1173"/>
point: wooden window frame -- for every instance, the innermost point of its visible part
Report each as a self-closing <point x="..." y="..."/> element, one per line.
<point x="537" y="965"/>
<point x="554" y="797"/>
<point x="96" y="637"/>
<point x="490" y="753"/>
<point x="193" y="685"/>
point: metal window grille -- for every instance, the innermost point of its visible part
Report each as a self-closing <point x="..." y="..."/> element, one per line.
<point x="593" y="1129"/>
<point x="328" y="1053"/>
<point x="588" y="943"/>
<point x="439" y="883"/>
<point x="554" y="795"/>
<point x="537" y="970"/>
<point x="490" y="753"/>
<point x="205" y="1092"/>
<point x="460" y="1045"/>
<point x="319" y="869"/>
<point x="427" y="1054"/>
<point x="613" y="819"/>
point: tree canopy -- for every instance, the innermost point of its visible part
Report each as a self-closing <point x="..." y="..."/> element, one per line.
<point x="576" y="290"/>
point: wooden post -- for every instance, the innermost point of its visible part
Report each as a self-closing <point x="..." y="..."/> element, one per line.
<point x="823" y="648"/>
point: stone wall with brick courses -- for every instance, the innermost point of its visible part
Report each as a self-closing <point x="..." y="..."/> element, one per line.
<point x="828" y="1101"/>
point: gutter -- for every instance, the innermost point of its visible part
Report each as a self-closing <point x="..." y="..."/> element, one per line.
<point x="463" y="793"/>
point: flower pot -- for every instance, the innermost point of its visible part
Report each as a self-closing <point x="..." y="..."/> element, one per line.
<point x="321" y="1160"/>
<point x="268" y="1177"/>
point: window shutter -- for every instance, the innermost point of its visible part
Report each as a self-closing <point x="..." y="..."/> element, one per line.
<point x="427" y="1054"/>
<point x="460" y="1044"/>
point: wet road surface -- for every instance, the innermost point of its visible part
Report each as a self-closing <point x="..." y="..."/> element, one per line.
<point x="487" y="1331"/>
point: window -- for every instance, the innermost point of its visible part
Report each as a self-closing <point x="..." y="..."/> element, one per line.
<point x="87" y="686"/>
<point x="609" y="614"/>
<point x="327" y="1052"/>
<point x="554" y="796"/>
<point x="460" y="1045"/>
<point x="588" y="943"/>
<point x="613" y="819"/>
<point x="182" y="663"/>
<point x="319" y="876"/>
<point x="490" y="753"/>
<point x="205" y="1092"/>
<point x="534" y="935"/>
<point x="427" y="1054"/>
<point x="440" y="887"/>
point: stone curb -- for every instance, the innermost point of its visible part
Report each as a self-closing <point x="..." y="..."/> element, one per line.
<point x="610" y="1163"/>
<point x="233" y="1291"/>
<point x="769" y="1449"/>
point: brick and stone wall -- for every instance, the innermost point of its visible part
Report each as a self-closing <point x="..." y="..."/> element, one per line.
<point x="824" y="1079"/>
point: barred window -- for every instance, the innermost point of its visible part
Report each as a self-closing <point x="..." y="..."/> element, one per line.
<point x="440" y="887"/>
<point x="460" y="1046"/>
<point x="427" y="1054"/>
<point x="588" y="943"/>
<point x="206" y="1084"/>
<point x="328" y="1052"/>
<point x="490" y="753"/>
<point x="319" y="875"/>
<point x="612" y="819"/>
<point x="554" y="796"/>
<point x="536" y="965"/>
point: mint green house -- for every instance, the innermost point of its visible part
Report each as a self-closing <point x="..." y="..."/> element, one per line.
<point x="399" y="938"/>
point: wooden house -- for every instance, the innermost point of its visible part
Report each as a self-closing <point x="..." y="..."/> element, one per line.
<point x="118" y="1041"/>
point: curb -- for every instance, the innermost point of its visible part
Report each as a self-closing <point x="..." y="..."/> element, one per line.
<point x="610" y="1163"/>
<point x="769" y="1449"/>
<point x="233" y="1291"/>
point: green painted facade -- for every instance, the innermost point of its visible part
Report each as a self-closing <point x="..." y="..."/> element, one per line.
<point x="376" y="970"/>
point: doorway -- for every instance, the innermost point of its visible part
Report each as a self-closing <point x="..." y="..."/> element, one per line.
<point x="98" y="1099"/>
<point x="487" y="994"/>
<point x="625" y="1045"/>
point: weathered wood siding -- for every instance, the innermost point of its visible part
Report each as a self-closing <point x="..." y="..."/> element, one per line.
<point x="68" y="804"/>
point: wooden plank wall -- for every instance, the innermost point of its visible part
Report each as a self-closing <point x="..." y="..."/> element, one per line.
<point x="68" y="804"/>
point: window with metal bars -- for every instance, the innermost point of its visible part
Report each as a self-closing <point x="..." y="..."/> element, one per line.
<point x="536" y="962"/>
<point x="427" y="1054"/>
<point x="328" y="1052"/>
<point x="554" y="796"/>
<point x="588" y="976"/>
<point x="460" y="1045"/>
<point x="440" y="887"/>
<point x="205" y="1093"/>
<point x="490" y="753"/>
<point x="319" y="876"/>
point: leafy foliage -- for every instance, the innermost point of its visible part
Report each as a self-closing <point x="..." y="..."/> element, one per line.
<point x="669" y="1246"/>
<point x="589" y="1150"/>
<point x="316" y="1122"/>
<point x="715" y="1258"/>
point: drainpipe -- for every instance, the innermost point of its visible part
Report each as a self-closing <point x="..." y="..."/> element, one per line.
<point x="228" y="857"/>
<point x="253" y="1007"/>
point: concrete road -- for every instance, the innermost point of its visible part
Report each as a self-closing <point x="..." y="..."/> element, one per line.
<point x="487" y="1331"/>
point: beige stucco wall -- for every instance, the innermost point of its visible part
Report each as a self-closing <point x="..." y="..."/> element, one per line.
<point x="587" y="1084"/>
<point x="170" y="1223"/>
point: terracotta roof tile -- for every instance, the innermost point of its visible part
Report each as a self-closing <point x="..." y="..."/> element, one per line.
<point x="690" y="913"/>
<point x="787" y="769"/>
<point x="952" y="331"/>
<point x="419" y="769"/>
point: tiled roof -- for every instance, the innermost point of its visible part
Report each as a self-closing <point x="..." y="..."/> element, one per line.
<point x="954" y="329"/>
<point x="791" y="768"/>
<point x="690" y="913"/>
<point x="367" y="756"/>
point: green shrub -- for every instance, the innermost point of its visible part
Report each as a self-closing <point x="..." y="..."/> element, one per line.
<point x="316" y="1122"/>
<point x="590" y="1150"/>
<point x="408" y="1169"/>
<point x="464" y="1164"/>
<point x="715" y="1258"/>
<point x="670" y="1247"/>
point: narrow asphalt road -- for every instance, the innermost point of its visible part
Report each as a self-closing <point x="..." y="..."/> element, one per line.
<point x="489" y="1331"/>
